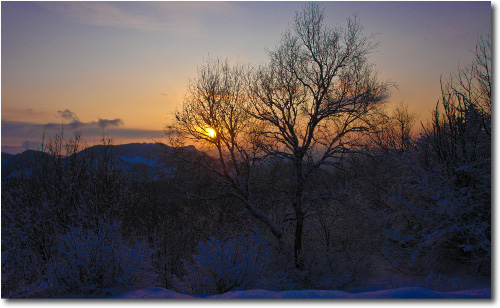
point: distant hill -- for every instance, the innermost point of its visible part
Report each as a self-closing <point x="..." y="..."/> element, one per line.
<point x="22" y="162"/>
<point x="145" y="160"/>
<point x="9" y="149"/>
<point x="6" y="156"/>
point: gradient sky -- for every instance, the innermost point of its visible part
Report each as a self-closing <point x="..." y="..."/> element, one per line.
<point x="123" y="67"/>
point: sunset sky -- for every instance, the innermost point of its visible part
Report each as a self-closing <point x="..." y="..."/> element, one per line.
<point x="123" y="67"/>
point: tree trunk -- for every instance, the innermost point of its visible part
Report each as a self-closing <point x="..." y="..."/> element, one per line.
<point x="299" y="263"/>
<point x="299" y="215"/>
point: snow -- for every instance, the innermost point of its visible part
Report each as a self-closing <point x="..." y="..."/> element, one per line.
<point x="138" y="159"/>
<point x="18" y="174"/>
<point x="400" y="293"/>
<point x="152" y="293"/>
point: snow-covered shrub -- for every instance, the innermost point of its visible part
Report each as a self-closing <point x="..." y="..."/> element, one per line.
<point x="440" y="218"/>
<point x="24" y="247"/>
<point x="236" y="263"/>
<point x="97" y="263"/>
<point x="435" y="226"/>
<point x="21" y="266"/>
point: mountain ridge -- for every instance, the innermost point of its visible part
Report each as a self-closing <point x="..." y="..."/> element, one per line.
<point x="137" y="158"/>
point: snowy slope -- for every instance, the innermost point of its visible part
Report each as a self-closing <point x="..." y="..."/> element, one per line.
<point x="408" y="293"/>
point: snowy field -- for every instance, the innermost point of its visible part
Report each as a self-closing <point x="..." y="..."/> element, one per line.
<point x="400" y="293"/>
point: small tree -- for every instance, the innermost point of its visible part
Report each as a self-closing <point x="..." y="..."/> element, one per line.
<point x="460" y="133"/>
<point x="393" y="132"/>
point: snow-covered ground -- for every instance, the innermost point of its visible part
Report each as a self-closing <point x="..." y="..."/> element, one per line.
<point x="152" y="293"/>
<point x="409" y="292"/>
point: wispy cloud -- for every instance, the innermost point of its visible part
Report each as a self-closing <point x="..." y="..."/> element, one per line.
<point x="175" y="17"/>
<point x="104" y="14"/>
<point x="18" y="129"/>
<point x="17" y="133"/>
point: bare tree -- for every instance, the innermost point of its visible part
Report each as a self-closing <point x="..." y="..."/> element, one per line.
<point x="393" y="132"/>
<point x="405" y="120"/>
<point x="214" y="115"/>
<point x="313" y="98"/>
<point x="307" y="106"/>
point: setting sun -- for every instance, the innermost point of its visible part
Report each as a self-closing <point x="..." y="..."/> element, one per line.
<point x="211" y="132"/>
